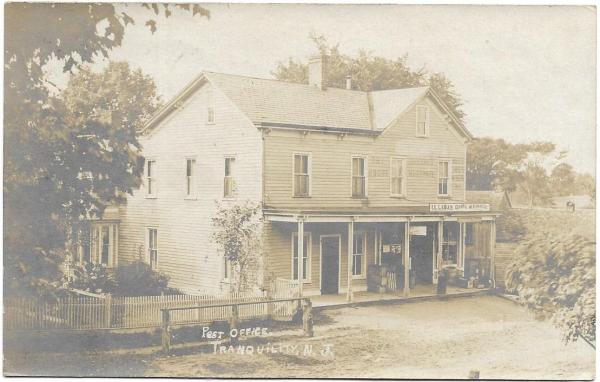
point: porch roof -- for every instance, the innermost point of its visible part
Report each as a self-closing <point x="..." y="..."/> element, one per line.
<point x="373" y="214"/>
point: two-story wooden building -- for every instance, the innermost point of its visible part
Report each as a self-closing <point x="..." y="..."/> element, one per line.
<point x="367" y="179"/>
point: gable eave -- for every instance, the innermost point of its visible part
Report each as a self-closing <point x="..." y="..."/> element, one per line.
<point x="173" y="104"/>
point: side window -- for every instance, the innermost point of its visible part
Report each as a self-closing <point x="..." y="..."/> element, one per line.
<point x="422" y="121"/>
<point x="151" y="179"/>
<point x="305" y="257"/>
<point x="210" y="108"/>
<point x="444" y="178"/>
<point x="229" y="180"/>
<point x="359" y="177"/>
<point x="190" y="176"/>
<point x="397" y="177"/>
<point x="153" y="247"/>
<point x="359" y="255"/>
<point x="301" y="175"/>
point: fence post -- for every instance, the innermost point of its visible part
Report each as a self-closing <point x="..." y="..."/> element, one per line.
<point x="107" y="311"/>
<point x="307" y="318"/>
<point x="166" y="331"/>
<point x="233" y="324"/>
<point x="269" y="304"/>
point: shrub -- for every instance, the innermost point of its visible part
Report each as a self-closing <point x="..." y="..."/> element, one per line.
<point x="510" y="226"/>
<point x="92" y="278"/>
<point x="135" y="279"/>
<point x="556" y="277"/>
<point x="138" y="279"/>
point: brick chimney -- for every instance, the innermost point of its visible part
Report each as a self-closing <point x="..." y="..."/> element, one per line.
<point x="315" y="71"/>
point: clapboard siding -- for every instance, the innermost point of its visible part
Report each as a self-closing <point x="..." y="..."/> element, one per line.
<point x="278" y="251"/>
<point x="331" y="164"/>
<point x="186" y="252"/>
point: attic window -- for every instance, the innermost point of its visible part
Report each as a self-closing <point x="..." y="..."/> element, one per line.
<point x="422" y="121"/>
<point x="210" y="108"/>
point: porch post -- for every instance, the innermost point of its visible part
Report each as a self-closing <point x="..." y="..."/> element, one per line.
<point x="493" y="253"/>
<point x="461" y="250"/>
<point x="406" y="251"/>
<point x="300" y="239"/>
<point x="350" y="255"/>
<point x="438" y="258"/>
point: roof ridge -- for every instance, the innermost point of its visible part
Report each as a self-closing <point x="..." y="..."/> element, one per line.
<point x="280" y="81"/>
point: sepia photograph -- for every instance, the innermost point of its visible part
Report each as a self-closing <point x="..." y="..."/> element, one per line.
<point x="323" y="191"/>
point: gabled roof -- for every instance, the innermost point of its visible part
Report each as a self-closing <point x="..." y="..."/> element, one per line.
<point x="273" y="103"/>
<point x="279" y="102"/>
<point x="388" y="104"/>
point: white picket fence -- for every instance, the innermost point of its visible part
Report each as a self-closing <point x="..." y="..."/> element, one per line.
<point x="91" y="313"/>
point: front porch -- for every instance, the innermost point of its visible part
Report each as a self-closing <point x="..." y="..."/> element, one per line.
<point x="360" y="257"/>
<point x="420" y="292"/>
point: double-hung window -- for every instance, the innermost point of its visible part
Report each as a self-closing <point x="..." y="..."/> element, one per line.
<point x="153" y="247"/>
<point x="151" y="179"/>
<point x="229" y="180"/>
<point x="359" y="177"/>
<point x="305" y="257"/>
<point x="226" y="269"/>
<point x="210" y="108"/>
<point x="358" y="255"/>
<point x="397" y="177"/>
<point x="301" y="175"/>
<point x="444" y="178"/>
<point x="422" y="121"/>
<point x="190" y="174"/>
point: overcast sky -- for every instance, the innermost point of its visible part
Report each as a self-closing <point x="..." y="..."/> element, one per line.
<point x="525" y="72"/>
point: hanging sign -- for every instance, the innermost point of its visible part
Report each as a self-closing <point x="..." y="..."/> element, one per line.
<point x="459" y="207"/>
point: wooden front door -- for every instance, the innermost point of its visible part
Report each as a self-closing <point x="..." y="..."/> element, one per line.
<point x="330" y="264"/>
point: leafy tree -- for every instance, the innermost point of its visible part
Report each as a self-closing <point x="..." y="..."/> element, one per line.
<point x="496" y="164"/>
<point x="238" y="237"/>
<point x="535" y="183"/>
<point x="44" y="192"/>
<point x="585" y="184"/>
<point x="368" y="73"/>
<point x="562" y="179"/>
<point x="556" y="276"/>
<point x="69" y="165"/>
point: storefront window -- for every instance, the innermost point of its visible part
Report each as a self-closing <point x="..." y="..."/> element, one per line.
<point x="450" y="243"/>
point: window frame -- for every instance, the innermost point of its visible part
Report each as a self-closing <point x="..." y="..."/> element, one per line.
<point x="96" y="244"/>
<point x="365" y="176"/>
<point x="233" y="193"/>
<point x="152" y="180"/>
<point x="210" y="107"/>
<point x="149" y="249"/>
<point x="309" y="174"/>
<point x="307" y="252"/>
<point x="448" y="178"/>
<point x="403" y="178"/>
<point x="427" y="119"/>
<point x="363" y="274"/>
<point x="190" y="180"/>
<point x="451" y="243"/>
<point x="226" y="269"/>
